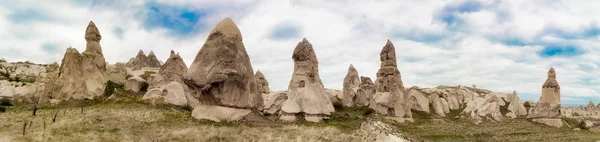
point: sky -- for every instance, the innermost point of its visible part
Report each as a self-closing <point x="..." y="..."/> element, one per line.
<point x="499" y="45"/>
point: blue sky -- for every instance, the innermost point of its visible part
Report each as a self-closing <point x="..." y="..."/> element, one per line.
<point x="500" y="45"/>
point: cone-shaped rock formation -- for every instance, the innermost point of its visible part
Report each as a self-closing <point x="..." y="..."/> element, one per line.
<point x="306" y="92"/>
<point x="390" y="98"/>
<point x="221" y="73"/>
<point x="351" y="85"/>
<point x="263" y="84"/>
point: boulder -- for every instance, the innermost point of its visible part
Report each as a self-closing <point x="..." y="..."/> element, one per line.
<point x="351" y="85"/>
<point x="444" y="103"/>
<point x="263" y="84"/>
<point x="172" y="93"/>
<point x="549" y="121"/>
<point x="390" y="98"/>
<point x="306" y="92"/>
<point x="219" y="113"/>
<point x="274" y="101"/>
<point x="418" y="101"/>
<point x="365" y="91"/>
<point x="221" y="73"/>
<point x="135" y="84"/>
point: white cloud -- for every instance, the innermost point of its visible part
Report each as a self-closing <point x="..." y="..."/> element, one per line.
<point x="430" y="51"/>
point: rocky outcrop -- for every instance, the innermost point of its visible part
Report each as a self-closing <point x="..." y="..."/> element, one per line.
<point x="515" y="107"/>
<point x="219" y="113"/>
<point x="351" y="86"/>
<point x="141" y="60"/>
<point x="221" y="74"/>
<point x="417" y="100"/>
<point x="117" y="72"/>
<point x="25" y="82"/>
<point x="365" y="91"/>
<point x="274" y="101"/>
<point x="172" y="70"/>
<point x="152" y="60"/>
<point x="590" y="105"/>
<point x="389" y="98"/>
<point x="82" y="75"/>
<point x="172" y="93"/>
<point x="135" y="84"/>
<point x="263" y="84"/>
<point x="306" y="94"/>
<point x="548" y="106"/>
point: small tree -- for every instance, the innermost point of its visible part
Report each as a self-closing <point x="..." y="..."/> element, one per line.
<point x="474" y="86"/>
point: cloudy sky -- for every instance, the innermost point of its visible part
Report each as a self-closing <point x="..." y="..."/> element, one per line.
<point x="500" y="45"/>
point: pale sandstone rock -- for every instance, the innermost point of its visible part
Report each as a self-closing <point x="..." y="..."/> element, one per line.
<point x="444" y="103"/>
<point x="438" y="107"/>
<point x="82" y="75"/>
<point x="549" y="121"/>
<point x="418" y="101"/>
<point x="378" y="131"/>
<point x="351" y="85"/>
<point x="335" y="96"/>
<point x="141" y="60"/>
<point x="219" y="113"/>
<point x="516" y="107"/>
<point x="548" y="106"/>
<point x="390" y="98"/>
<point x="173" y="69"/>
<point x="274" y="101"/>
<point x="365" y="91"/>
<point x="263" y="84"/>
<point x="135" y="84"/>
<point x="590" y="105"/>
<point x="221" y="73"/>
<point x="306" y="92"/>
<point x="117" y="72"/>
<point x="152" y="60"/>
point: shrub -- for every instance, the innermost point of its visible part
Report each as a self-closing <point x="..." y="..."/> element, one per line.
<point x="5" y="102"/>
<point x="110" y="88"/>
<point x="2" y="60"/>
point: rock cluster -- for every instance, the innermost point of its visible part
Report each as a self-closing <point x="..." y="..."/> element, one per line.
<point x="351" y="86"/>
<point x="141" y="60"/>
<point x="365" y="92"/>
<point x="306" y="94"/>
<point x="221" y="74"/>
<point x="24" y="82"/>
<point x="547" y="109"/>
<point x="515" y="107"/>
<point x="390" y="98"/>
<point x="82" y="75"/>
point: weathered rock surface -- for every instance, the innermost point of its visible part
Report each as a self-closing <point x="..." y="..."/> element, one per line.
<point x="351" y="86"/>
<point x="549" y="121"/>
<point x="221" y="73"/>
<point x="378" y="131"/>
<point x="274" y="101"/>
<point x="389" y="98"/>
<point x="219" y="113"/>
<point x="82" y="75"/>
<point x="365" y="91"/>
<point x="173" y="93"/>
<point x="516" y="108"/>
<point x="117" y="72"/>
<point x="548" y="106"/>
<point x="306" y="92"/>
<point x="590" y="105"/>
<point x="135" y="84"/>
<point x="25" y="82"/>
<point x="141" y="60"/>
<point x="263" y="84"/>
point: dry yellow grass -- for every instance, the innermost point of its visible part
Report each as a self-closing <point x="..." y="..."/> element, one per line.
<point x="141" y="122"/>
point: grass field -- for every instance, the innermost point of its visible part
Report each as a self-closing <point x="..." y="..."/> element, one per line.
<point x="130" y="120"/>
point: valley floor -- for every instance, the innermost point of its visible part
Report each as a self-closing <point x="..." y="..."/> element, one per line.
<point x="134" y="121"/>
